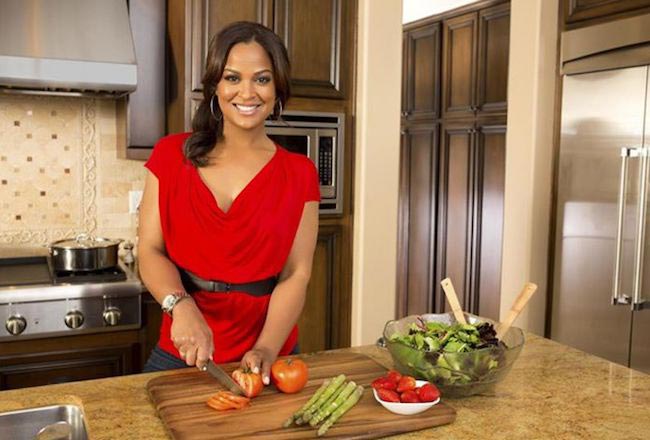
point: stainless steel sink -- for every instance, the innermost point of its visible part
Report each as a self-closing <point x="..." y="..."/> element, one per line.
<point x="26" y="424"/>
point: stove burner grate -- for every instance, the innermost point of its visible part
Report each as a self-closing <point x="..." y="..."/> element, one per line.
<point x="102" y="275"/>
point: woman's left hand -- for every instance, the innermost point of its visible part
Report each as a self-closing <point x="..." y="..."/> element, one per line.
<point x="259" y="360"/>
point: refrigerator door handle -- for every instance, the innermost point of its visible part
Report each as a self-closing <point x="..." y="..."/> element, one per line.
<point x="637" y="302"/>
<point x="626" y="153"/>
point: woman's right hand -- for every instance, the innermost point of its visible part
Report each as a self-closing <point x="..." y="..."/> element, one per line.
<point x="191" y="335"/>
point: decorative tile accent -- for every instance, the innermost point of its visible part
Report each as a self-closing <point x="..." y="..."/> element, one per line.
<point x="59" y="171"/>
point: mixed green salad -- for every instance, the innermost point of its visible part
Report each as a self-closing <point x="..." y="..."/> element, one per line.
<point x="450" y="354"/>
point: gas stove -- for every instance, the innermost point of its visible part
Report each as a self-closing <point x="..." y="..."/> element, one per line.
<point x="38" y="302"/>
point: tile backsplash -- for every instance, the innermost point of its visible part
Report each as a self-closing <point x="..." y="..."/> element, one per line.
<point x="59" y="171"/>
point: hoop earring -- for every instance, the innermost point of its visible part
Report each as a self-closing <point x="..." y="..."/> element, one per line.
<point x="279" y="115"/>
<point x="212" y="110"/>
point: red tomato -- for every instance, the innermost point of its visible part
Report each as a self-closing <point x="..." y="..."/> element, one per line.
<point x="393" y="376"/>
<point x="387" y="395"/>
<point x="383" y="382"/>
<point x="428" y="392"/>
<point x="250" y="382"/>
<point x="289" y="375"/>
<point x="406" y="383"/>
<point x="409" y="396"/>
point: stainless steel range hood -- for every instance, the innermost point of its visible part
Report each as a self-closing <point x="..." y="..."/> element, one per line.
<point x="66" y="47"/>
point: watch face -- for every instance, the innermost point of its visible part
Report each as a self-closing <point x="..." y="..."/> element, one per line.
<point x="168" y="302"/>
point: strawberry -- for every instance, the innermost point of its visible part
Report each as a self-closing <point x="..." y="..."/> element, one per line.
<point x="409" y="396"/>
<point x="393" y="376"/>
<point x="406" y="383"/>
<point x="383" y="382"/>
<point x="428" y="392"/>
<point x="387" y="395"/>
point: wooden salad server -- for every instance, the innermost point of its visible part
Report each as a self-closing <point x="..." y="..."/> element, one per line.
<point x="521" y="301"/>
<point x="450" y="292"/>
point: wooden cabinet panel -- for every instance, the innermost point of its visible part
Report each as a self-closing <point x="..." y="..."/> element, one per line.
<point x="313" y="31"/>
<point x="459" y="65"/>
<point x="209" y="17"/>
<point x="320" y="313"/>
<point x="492" y="77"/>
<point x="422" y="74"/>
<point x="491" y="149"/>
<point x="67" y="359"/>
<point x="455" y="213"/>
<point x="578" y="10"/>
<point x="418" y="182"/>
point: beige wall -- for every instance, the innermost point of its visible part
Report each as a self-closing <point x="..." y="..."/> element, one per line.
<point x="529" y="155"/>
<point x="379" y="66"/>
<point x="59" y="172"/>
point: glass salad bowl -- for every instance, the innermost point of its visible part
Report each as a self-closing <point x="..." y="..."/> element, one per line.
<point x="448" y="359"/>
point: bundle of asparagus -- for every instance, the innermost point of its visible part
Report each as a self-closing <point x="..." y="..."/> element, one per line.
<point x="333" y="399"/>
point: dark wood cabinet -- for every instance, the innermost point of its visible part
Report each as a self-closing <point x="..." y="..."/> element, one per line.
<point x="71" y="358"/>
<point x="316" y="33"/>
<point x="453" y="159"/>
<point x="575" y="11"/>
<point x="421" y="92"/>
<point x="493" y="44"/>
<point x="456" y="210"/>
<point x="459" y="65"/>
<point x="417" y="208"/>
<point x="475" y="62"/>
<point x="470" y="214"/>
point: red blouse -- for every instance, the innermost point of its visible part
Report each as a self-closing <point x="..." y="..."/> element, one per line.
<point x="249" y="242"/>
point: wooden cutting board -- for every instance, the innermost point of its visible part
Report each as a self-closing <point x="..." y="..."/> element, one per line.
<point x="180" y="402"/>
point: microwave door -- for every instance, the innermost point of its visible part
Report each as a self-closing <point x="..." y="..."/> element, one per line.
<point x="295" y="139"/>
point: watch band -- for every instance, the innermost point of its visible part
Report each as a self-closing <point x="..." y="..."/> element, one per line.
<point x="170" y="301"/>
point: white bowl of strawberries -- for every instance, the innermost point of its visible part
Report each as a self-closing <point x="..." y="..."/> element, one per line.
<point x="404" y="394"/>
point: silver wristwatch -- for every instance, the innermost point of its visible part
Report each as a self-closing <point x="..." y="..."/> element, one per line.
<point x="170" y="301"/>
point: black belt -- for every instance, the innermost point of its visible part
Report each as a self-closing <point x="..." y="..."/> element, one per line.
<point x="193" y="283"/>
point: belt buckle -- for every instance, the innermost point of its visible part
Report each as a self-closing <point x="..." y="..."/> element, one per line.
<point x="220" y="286"/>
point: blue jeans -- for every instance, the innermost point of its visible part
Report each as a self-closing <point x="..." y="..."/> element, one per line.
<point x="160" y="360"/>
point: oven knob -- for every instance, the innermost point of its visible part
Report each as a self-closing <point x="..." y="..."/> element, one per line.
<point x="112" y="316"/>
<point x="74" y="319"/>
<point x="15" y="324"/>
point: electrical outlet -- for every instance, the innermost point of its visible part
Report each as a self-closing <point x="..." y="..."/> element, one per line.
<point x="134" y="201"/>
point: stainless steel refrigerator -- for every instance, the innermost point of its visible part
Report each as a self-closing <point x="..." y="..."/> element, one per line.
<point x="601" y="264"/>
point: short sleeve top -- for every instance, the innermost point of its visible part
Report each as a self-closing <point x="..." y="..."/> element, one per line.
<point x="249" y="242"/>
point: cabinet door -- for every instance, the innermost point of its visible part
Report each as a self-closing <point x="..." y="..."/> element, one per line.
<point x="316" y="33"/>
<point x="493" y="44"/>
<point x="70" y="358"/>
<point x="578" y="10"/>
<point x="209" y="17"/>
<point x="422" y="74"/>
<point x="320" y="315"/>
<point x="416" y="222"/>
<point x="456" y="211"/>
<point x="459" y="65"/>
<point x="491" y="160"/>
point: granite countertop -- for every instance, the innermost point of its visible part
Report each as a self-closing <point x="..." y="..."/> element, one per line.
<point x="553" y="391"/>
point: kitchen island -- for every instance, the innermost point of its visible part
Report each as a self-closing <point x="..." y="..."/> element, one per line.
<point x="553" y="391"/>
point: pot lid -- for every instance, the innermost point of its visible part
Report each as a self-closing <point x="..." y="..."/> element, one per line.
<point x="84" y="241"/>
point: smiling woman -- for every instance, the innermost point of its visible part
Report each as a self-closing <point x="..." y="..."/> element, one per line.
<point x="228" y="218"/>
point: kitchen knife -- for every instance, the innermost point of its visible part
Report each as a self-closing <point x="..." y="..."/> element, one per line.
<point x="223" y="378"/>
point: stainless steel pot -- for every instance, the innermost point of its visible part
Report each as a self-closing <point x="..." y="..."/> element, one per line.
<point x="84" y="253"/>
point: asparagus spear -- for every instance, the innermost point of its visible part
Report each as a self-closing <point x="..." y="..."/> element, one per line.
<point x="309" y="403"/>
<point x="314" y="409"/>
<point x="349" y="403"/>
<point x="326" y="410"/>
<point x="331" y="388"/>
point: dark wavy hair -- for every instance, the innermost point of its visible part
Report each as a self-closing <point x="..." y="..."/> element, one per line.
<point x="206" y="129"/>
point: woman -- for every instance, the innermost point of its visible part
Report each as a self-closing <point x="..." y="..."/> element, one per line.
<point x="226" y="204"/>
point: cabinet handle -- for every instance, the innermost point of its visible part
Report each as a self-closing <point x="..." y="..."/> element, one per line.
<point x="405" y="114"/>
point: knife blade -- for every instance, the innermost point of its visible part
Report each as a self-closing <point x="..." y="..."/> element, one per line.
<point x="223" y="378"/>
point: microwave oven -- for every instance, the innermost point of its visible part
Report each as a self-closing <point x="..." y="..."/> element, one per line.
<point x="319" y="136"/>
